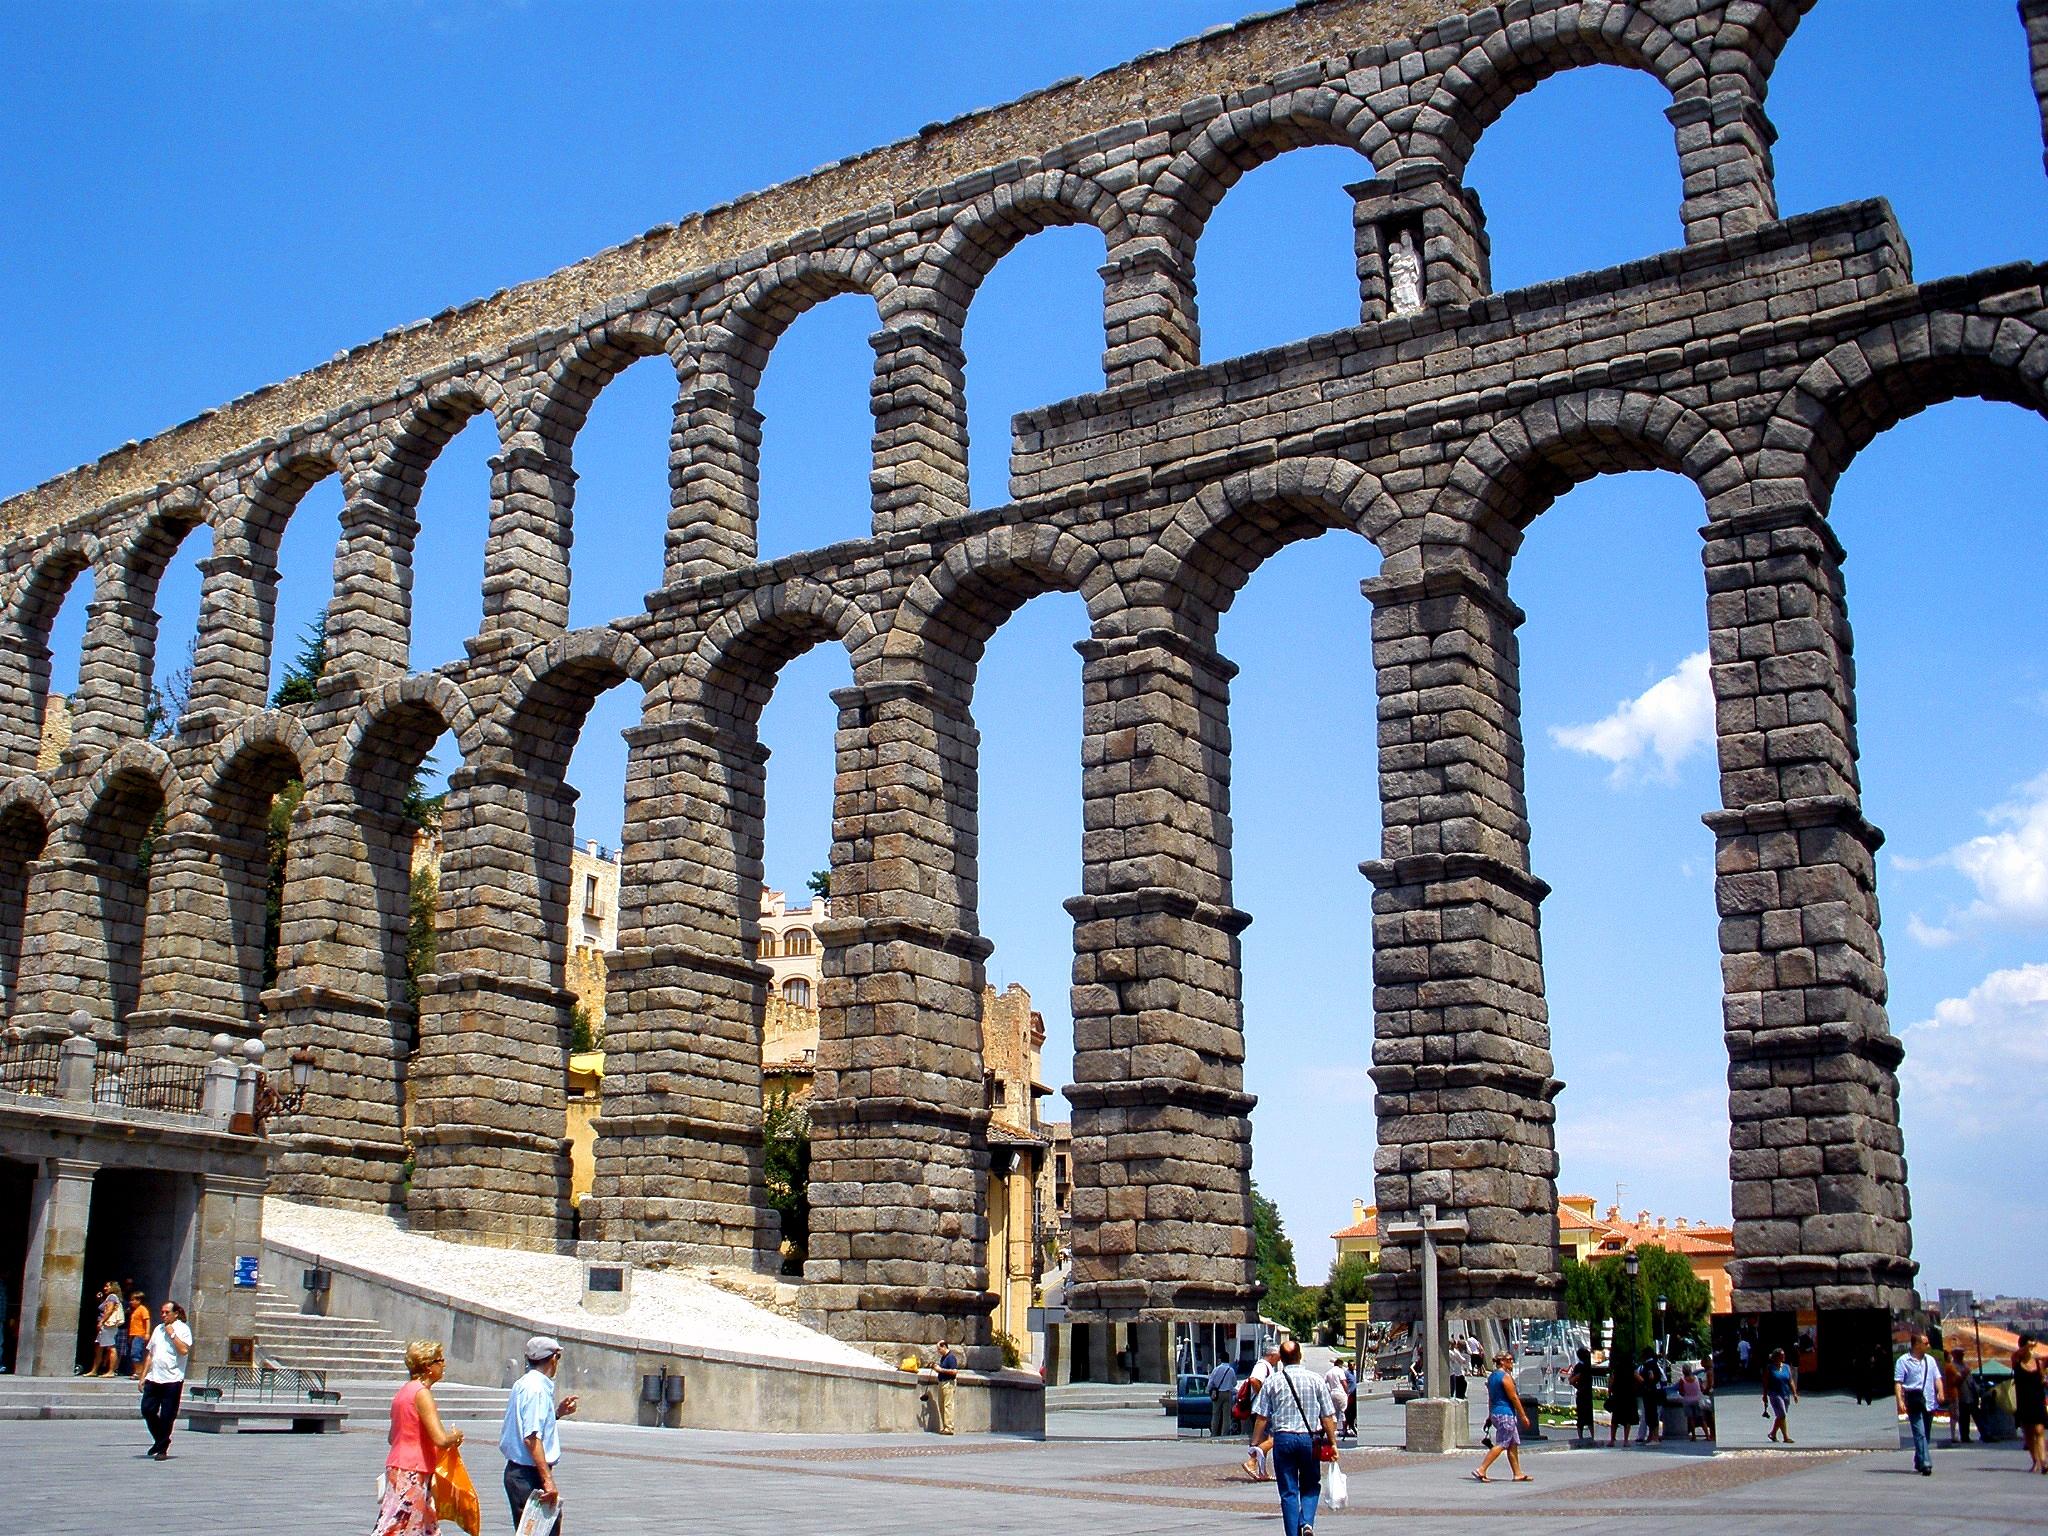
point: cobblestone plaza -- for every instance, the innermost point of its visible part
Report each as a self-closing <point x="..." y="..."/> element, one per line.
<point x="1091" y="1476"/>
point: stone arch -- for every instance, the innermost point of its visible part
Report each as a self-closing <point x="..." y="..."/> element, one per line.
<point x="749" y="325"/>
<point x="733" y="671"/>
<point x="1187" y="192"/>
<point x="1869" y="384"/>
<point x="395" y="726"/>
<point x="116" y="671"/>
<point x="83" y="932"/>
<point x="1197" y="566"/>
<point x="1500" y="66"/>
<point x="28" y="814"/>
<point x="592" y="361"/>
<point x="1514" y="471"/>
<point x="277" y="487"/>
<point x="996" y="223"/>
<point x="273" y="739"/>
<point x="542" y="707"/>
<point x="37" y="594"/>
<point x="952" y="610"/>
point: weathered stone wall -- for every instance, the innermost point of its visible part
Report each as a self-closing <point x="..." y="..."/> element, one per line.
<point x="1757" y="361"/>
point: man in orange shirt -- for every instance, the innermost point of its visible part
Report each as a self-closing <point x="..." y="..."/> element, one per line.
<point x="138" y="1332"/>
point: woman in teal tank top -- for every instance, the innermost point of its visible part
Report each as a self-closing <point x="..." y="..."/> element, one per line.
<point x="1505" y="1419"/>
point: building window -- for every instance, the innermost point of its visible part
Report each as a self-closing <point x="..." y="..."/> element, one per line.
<point x="590" y="893"/>
<point x="797" y="990"/>
<point x="767" y="946"/>
<point x="797" y="942"/>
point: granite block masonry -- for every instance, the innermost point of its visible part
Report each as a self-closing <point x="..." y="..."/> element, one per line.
<point x="1756" y="360"/>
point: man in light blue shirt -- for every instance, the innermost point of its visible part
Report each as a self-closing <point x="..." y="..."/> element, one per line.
<point x="1916" y="1383"/>
<point x="530" y="1442"/>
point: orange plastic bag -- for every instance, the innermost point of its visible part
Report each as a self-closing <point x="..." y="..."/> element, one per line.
<point x="455" y="1495"/>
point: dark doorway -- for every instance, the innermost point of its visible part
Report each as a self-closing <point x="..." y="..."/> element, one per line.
<point x="132" y="1237"/>
<point x="17" y="1188"/>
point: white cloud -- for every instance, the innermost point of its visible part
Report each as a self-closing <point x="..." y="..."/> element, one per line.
<point x="1673" y="718"/>
<point x="1977" y="1064"/>
<point x="2009" y="869"/>
<point x="1599" y="1140"/>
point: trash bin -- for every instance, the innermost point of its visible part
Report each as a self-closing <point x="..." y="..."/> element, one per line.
<point x="1995" y="1404"/>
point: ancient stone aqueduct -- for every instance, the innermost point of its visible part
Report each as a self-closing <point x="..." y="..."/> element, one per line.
<point x="1756" y="360"/>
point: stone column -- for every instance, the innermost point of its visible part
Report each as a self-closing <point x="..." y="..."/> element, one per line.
<point x="1724" y="158"/>
<point x="83" y="927"/>
<point x="920" y="401"/>
<point x="1461" y="1034"/>
<point x="2034" y="14"/>
<point x="526" y="555"/>
<point x="24" y="686"/>
<point x="112" y="700"/>
<point x="185" y="1194"/>
<point x="489" y="1086"/>
<point x="229" y="1226"/>
<point x="717" y="485"/>
<point x="369" y="623"/>
<point x="1162" y="1140"/>
<point x="899" y="1118"/>
<point x="53" y="1278"/>
<point x="1821" y="1212"/>
<point x="230" y="663"/>
<point x="679" y="1175"/>
<point x="202" y="973"/>
<point x="341" y="994"/>
<point x="1149" y="313"/>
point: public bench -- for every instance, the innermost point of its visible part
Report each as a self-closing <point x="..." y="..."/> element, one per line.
<point x="263" y="1396"/>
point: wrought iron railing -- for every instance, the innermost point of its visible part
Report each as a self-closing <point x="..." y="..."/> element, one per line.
<point x="177" y="1088"/>
<point x="30" y="1066"/>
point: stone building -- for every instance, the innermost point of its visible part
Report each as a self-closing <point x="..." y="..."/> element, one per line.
<point x="1757" y="360"/>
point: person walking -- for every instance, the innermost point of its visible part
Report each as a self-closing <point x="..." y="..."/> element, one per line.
<point x="163" y="1377"/>
<point x="110" y="1324"/>
<point x="530" y="1441"/>
<point x="1507" y="1419"/>
<point x="1261" y="1445"/>
<point x="1222" y="1395"/>
<point x="1916" y="1383"/>
<point x="1340" y="1394"/>
<point x="1955" y="1391"/>
<point x="1623" y="1398"/>
<point x="138" y="1332"/>
<point x="1351" y="1398"/>
<point x="2030" y="1402"/>
<point x="948" y="1373"/>
<point x="1781" y="1391"/>
<point x="1292" y="1411"/>
<point x="417" y="1439"/>
<point x="1582" y="1394"/>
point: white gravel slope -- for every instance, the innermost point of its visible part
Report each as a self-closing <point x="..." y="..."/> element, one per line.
<point x="669" y="1307"/>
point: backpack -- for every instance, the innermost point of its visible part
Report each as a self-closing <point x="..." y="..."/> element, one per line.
<point x="1247" y="1394"/>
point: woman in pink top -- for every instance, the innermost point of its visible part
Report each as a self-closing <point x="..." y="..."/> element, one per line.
<point x="417" y="1439"/>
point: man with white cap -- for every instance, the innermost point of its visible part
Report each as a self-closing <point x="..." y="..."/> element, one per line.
<point x="529" y="1440"/>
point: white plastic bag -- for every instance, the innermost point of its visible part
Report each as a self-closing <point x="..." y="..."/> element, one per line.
<point x="540" y="1517"/>
<point x="1336" y="1486"/>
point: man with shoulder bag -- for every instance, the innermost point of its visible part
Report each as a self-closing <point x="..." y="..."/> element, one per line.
<point x="1295" y="1408"/>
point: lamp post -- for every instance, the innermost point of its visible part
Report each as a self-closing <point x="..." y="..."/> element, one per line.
<point x="1663" y="1342"/>
<point x="1632" y="1264"/>
<point x="270" y="1100"/>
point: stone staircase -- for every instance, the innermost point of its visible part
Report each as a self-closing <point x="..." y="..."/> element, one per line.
<point x="362" y="1361"/>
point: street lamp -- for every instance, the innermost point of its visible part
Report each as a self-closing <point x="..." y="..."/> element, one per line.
<point x="271" y="1101"/>
<point x="1663" y="1338"/>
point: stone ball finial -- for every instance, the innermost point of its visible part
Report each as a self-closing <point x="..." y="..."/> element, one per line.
<point x="78" y="1021"/>
<point x="223" y="1044"/>
<point x="252" y="1048"/>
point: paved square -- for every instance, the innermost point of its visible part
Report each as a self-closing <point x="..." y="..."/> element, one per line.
<point x="1094" y="1474"/>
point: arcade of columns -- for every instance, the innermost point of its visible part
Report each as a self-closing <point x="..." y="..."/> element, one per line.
<point x="1756" y="360"/>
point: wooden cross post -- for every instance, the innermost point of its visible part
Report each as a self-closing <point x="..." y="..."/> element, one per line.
<point x="1429" y="1229"/>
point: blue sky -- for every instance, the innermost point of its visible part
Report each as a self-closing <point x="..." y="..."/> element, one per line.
<point x="202" y="198"/>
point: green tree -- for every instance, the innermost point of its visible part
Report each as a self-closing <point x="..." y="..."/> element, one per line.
<point x="1285" y="1301"/>
<point x="1586" y="1299"/>
<point x="301" y="681"/>
<point x="1689" y="1302"/>
<point x="786" y="1134"/>
<point x="1349" y="1282"/>
<point x="821" y="883"/>
<point x="583" y="1034"/>
<point x="420" y="943"/>
<point x="277" y="833"/>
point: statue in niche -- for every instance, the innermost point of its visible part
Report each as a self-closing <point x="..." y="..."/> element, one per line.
<point x="1404" y="274"/>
